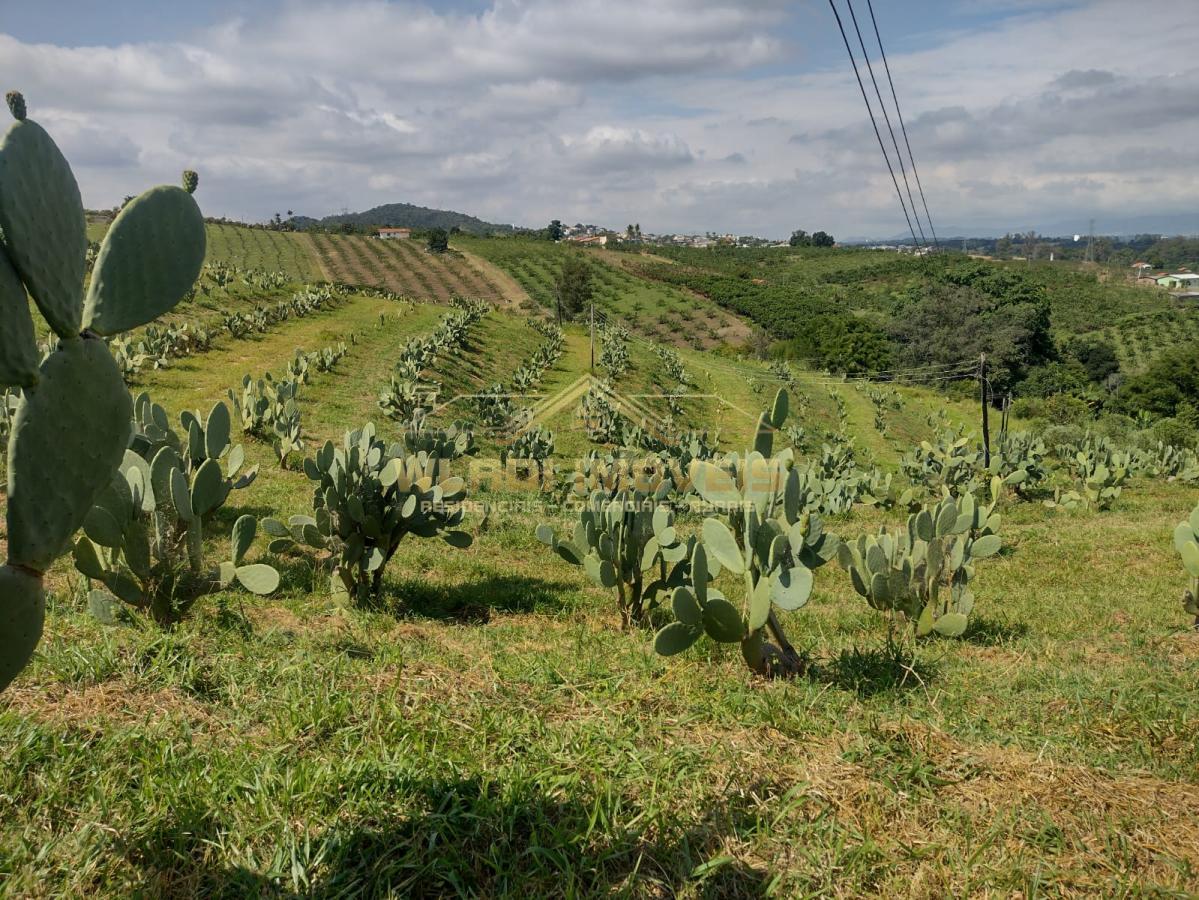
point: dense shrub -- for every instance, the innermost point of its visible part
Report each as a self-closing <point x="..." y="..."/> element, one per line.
<point x="1169" y="387"/>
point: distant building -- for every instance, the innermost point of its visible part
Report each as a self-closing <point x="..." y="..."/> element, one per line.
<point x="388" y="234"/>
<point x="598" y="240"/>
<point x="1179" y="281"/>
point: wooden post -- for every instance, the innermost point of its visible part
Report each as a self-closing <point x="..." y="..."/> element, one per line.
<point x="592" y="337"/>
<point x="982" y="393"/>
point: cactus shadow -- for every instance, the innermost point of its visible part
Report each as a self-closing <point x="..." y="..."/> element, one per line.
<point x="466" y="837"/>
<point x="876" y="670"/>
<point x="476" y="837"/>
<point x="474" y="601"/>
<point x="987" y="632"/>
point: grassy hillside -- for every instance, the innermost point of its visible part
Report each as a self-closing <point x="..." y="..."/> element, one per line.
<point x="487" y="729"/>
<point x="251" y="248"/>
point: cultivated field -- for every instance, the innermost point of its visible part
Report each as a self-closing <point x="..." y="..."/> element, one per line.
<point x="405" y="267"/>
<point x="657" y="311"/>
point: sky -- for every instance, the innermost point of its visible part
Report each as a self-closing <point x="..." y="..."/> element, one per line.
<point x="678" y="115"/>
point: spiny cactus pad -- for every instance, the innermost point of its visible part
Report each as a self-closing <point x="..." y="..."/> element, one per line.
<point x="41" y="215"/>
<point x="22" y="611"/>
<point x="18" y="347"/>
<point x="150" y="258"/>
<point x="69" y="436"/>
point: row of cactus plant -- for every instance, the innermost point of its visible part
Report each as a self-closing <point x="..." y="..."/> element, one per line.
<point x="156" y="347"/>
<point x="614" y="353"/>
<point x="602" y="421"/>
<point x="672" y="364"/>
<point x="762" y="526"/>
<point x="263" y="318"/>
<point x="410" y="393"/>
<point x="148" y="261"/>
<point x="497" y="406"/>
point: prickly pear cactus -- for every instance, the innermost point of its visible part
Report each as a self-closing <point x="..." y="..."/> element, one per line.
<point x="924" y="572"/>
<point x="73" y="421"/>
<point x="757" y="529"/>
<point x="1186" y="542"/>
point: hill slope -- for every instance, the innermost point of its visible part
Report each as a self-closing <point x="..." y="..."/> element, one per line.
<point x="407" y="215"/>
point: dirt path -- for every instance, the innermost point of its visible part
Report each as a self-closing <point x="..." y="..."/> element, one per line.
<point x="512" y="295"/>
<point x="309" y="244"/>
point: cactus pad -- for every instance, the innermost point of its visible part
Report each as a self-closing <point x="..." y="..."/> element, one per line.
<point x="18" y="346"/>
<point x="68" y="437"/>
<point x="150" y="258"/>
<point x="22" y="611"/>
<point x="41" y="215"/>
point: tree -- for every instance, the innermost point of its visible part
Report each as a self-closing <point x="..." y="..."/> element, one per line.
<point x="554" y="231"/>
<point x="1097" y="357"/>
<point x="439" y="240"/>
<point x="951" y="324"/>
<point x="760" y="341"/>
<point x="573" y="286"/>
<point x="1168" y="387"/>
<point x="799" y="238"/>
<point x="822" y="239"/>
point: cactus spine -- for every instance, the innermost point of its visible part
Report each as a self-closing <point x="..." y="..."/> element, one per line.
<point x="148" y="261"/>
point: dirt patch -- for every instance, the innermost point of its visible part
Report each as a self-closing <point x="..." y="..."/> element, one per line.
<point x="909" y="785"/>
<point x="310" y="246"/>
<point x="511" y="293"/>
<point x="105" y="705"/>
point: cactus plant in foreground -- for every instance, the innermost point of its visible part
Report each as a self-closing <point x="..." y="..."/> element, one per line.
<point x="626" y="540"/>
<point x="368" y="498"/>
<point x="149" y="260"/>
<point x="143" y="539"/>
<point x="1186" y="542"/>
<point x="760" y="532"/>
<point x="925" y="571"/>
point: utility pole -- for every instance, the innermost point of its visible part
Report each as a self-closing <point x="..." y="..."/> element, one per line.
<point x="592" y="337"/>
<point x="982" y="392"/>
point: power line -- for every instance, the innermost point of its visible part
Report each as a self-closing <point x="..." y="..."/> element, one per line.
<point x="886" y="118"/>
<point x="902" y="126"/>
<point x="873" y="121"/>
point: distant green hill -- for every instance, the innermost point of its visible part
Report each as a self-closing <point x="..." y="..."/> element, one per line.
<point x="406" y="215"/>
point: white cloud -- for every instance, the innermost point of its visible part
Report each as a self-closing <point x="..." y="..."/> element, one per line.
<point x="619" y="110"/>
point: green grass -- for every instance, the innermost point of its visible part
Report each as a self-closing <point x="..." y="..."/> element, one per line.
<point x="488" y="730"/>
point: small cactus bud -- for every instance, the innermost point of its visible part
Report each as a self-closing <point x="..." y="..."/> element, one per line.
<point x="190" y="180"/>
<point x="16" y="104"/>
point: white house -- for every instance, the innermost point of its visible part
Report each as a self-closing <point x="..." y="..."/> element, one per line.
<point x="1186" y="281"/>
<point x="388" y="234"/>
